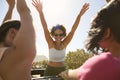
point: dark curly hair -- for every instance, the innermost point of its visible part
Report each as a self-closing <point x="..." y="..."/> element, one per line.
<point x="107" y="17"/>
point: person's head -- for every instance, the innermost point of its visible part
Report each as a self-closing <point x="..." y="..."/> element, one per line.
<point x="58" y="32"/>
<point x="106" y="24"/>
<point x="8" y="31"/>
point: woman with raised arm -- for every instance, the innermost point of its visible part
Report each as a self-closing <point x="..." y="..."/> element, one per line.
<point x="57" y="40"/>
<point x="17" y="48"/>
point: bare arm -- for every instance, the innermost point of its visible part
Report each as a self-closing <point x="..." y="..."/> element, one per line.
<point x="25" y="38"/>
<point x="38" y="6"/>
<point x="11" y="4"/>
<point x="75" y="25"/>
<point x="70" y="74"/>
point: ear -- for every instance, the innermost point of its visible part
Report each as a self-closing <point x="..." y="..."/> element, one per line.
<point x="106" y="40"/>
<point x="12" y="32"/>
<point x="107" y="33"/>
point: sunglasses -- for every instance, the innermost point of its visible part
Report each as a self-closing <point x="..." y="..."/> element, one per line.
<point x="56" y="35"/>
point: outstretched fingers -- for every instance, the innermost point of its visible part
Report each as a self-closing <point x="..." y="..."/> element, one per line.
<point x="37" y="4"/>
<point x="84" y="8"/>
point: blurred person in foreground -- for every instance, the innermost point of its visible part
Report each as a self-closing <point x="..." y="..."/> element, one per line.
<point x="17" y="44"/>
<point x="104" y="35"/>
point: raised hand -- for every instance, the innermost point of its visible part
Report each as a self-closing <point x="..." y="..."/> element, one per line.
<point x="37" y="4"/>
<point x="84" y="8"/>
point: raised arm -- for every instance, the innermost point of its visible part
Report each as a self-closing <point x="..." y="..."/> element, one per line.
<point x="75" y="25"/>
<point x="25" y="38"/>
<point x="11" y="4"/>
<point x="38" y="5"/>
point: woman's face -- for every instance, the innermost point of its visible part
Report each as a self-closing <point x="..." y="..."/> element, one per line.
<point x="58" y="35"/>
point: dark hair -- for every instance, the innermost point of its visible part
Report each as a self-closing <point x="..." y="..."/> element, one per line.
<point x="107" y="17"/>
<point x="4" y="28"/>
<point x="61" y="27"/>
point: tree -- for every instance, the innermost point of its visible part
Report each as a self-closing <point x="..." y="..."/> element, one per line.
<point x="76" y="58"/>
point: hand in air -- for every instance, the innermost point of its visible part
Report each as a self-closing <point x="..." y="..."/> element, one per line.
<point x="37" y="4"/>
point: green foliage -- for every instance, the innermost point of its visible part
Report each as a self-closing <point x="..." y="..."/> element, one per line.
<point x="76" y="59"/>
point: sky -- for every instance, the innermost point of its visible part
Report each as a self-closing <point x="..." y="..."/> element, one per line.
<point x="59" y="12"/>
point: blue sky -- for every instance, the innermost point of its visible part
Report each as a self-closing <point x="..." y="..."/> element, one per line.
<point x="59" y="12"/>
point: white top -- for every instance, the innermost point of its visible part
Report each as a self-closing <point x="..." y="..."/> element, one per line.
<point x="56" y="55"/>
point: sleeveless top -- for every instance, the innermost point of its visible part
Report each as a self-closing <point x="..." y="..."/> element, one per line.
<point x="2" y="50"/>
<point x="56" y="55"/>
